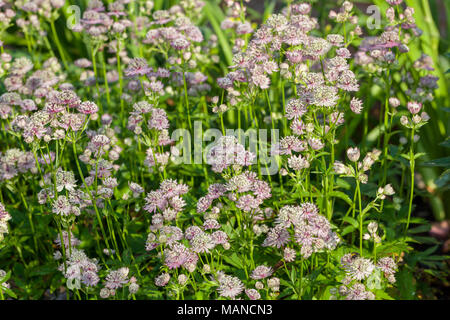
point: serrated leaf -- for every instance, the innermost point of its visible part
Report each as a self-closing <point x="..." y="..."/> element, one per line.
<point x="413" y="220"/>
<point x="293" y="275"/>
<point x="445" y="143"/>
<point x="420" y="154"/>
<point x="425" y="240"/>
<point x="342" y="183"/>
<point x="406" y="156"/>
<point x="405" y="284"/>
<point x="393" y="247"/>
<point x="374" y="280"/>
<point x="234" y="260"/>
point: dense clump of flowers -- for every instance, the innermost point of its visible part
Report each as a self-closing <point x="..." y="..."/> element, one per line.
<point x="229" y="286"/>
<point x="310" y="230"/>
<point x="14" y="162"/>
<point x="228" y="152"/>
<point x="117" y="278"/>
<point x="72" y="242"/>
<point x="4" y="217"/>
<point x="166" y="198"/>
<point x="363" y="166"/>
<point x="80" y="268"/>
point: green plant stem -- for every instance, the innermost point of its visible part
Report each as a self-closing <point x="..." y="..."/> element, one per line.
<point x="91" y="197"/>
<point x="387" y="130"/>
<point x="30" y="219"/>
<point x="360" y="219"/>
<point x="119" y="71"/>
<point x="270" y="108"/>
<point x="186" y="100"/>
<point x="105" y="78"/>
<point x="412" y="165"/>
<point x="94" y="65"/>
<point x="58" y="44"/>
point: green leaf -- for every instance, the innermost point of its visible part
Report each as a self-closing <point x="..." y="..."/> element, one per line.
<point x="293" y="275"/>
<point x="420" y="229"/>
<point x="444" y="179"/>
<point x="441" y="162"/>
<point x="5" y="277"/>
<point x="398" y="247"/>
<point x="405" y="155"/>
<point x="44" y="270"/>
<point x="426" y="240"/>
<point x="234" y="261"/>
<point x="383" y="295"/>
<point x="211" y="14"/>
<point x="269" y="9"/>
<point x="406" y="284"/>
<point x="420" y="154"/>
<point x="417" y="220"/>
<point x="446" y="143"/>
<point x="341" y="195"/>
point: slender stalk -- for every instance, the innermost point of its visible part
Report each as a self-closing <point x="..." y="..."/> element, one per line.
<point x="94" y="65"/>
<point x="119" y="71"/>
<point x="386" y="129"/>
<point x="91" y="197"/>
<point x="58" y="44"/>
<point x="270" y="108"/>
<point x="360" y="218"/>
<point x="186" y="100"/>
<point x="30" y="219"/>
<point x="105" y="78"/>
<point x="411" y="191"/>
<point x="301" y="278"/>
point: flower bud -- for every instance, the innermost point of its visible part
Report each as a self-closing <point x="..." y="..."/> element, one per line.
<point x="353" y="154"/>
<point x="414" y="107"/>
<point x="372" y="227"/>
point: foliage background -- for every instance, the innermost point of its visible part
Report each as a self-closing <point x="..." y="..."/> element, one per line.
<point x="434" y="186"/>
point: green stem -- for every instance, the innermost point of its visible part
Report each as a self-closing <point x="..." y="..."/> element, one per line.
<point x="94" y="64"/>
<point x="386" y="129"/>
<point x="360" y="218"/>
<point x="119" y="71"/>
<point x="186" y="100"/>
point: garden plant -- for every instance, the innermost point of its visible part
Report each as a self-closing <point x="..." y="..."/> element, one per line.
<point x="189" y="149"/>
